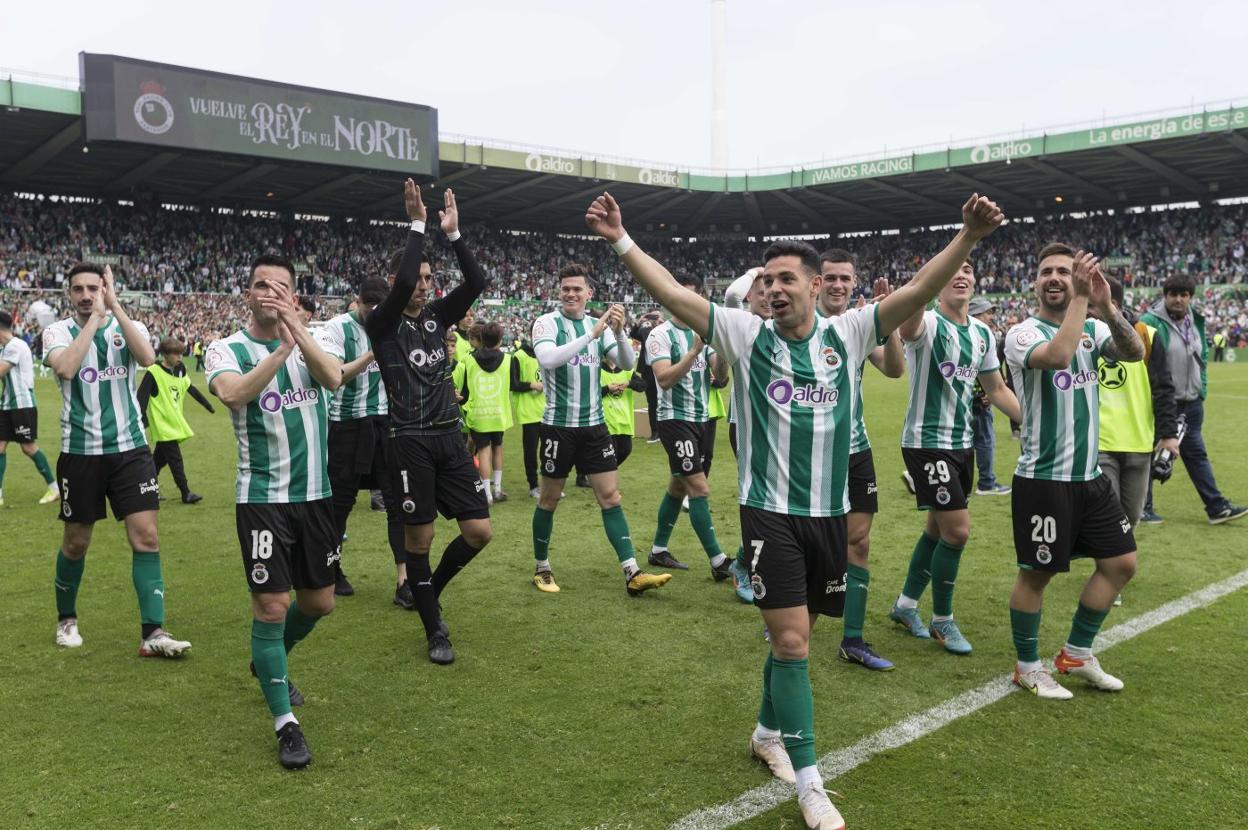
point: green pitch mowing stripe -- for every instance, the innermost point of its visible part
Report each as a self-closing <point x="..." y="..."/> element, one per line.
<point x="759" y="800"/>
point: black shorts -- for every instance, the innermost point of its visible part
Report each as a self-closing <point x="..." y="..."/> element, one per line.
<point x="431" y="474"/>
<point x="127" y="479"/>
<point x="485" y="439"/>
<point x="1056" y="521"/>
<point x="685" y="445"/>
<point x="288" y="546"/>
<point x="20" y="425"/>
<point x="357" y="456"/>
<point x="795" y="560"/>
<point x="589" y="449"/>
<point x="863" y="497"/>
<point x="942" y="478"/>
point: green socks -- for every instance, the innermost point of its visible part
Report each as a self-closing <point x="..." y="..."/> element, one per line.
<point x="945" y="560"/>
<point x="543" y="524"/>
<point x="68" y="578"/>
<point x="269" y="657"/>
<point x="4" y="462"/>
<point x="1026" y="629"/>
<point x="1086" y="623"/>
<point x="920" y="572"/>
<point x="616" y="525"/>
<point x="41" y="464"/>
<point x="669" y="513"/>
<point x="857" y="580"/>
<point x="150" y="588"/>
<point x="795" y="709"/>
<point x="700" y="518"/>
<point x="298" y="626"/>
<point x="766" y="712"/>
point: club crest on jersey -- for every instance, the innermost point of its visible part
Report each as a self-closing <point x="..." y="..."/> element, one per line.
<point x="687" y="465"/>
<point x="431" y="326"/>
<point x="1066" y="381"/>
<point x="550" y="466"/>
<point x="757" y="586"/>
<point x="409" y="506"/>
<point x="831" y="357"/>
<point x="783" y="392"/>
<point x="1087" y="343"/>
<point x="1043" y="555"/>
<point x="91" y="375"/>
<point x="119" y="342"/>
<point x="942" y="495"/>
<point x="290" y="399"/>
<point x="259" y="574"/>
<point x="421" y="358"/>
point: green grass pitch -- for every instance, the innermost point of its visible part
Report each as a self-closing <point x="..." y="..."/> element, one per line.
<point x="591" y="709"/>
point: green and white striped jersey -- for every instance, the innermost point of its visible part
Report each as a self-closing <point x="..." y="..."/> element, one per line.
<point x="858" y="440"/>
<point x="99" y="410"/>
<point x="1061" y="407"/>
<point x="795" y="407"/>
<point x="283" y="433"/>
<point x="944" y="363"/>
<point x="365" y="394"/>
<point x="687" y="399"/>
<point x="573" y="391"/>
<point x="17" y="389"/>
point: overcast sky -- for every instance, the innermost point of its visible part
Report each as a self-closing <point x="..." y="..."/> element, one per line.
<point x="807" y="80"/>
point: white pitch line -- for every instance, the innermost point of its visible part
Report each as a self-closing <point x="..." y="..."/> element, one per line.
<point x="771" y="795"/>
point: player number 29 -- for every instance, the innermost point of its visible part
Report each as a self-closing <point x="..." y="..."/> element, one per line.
<point x="937" y="472"/>
<point x="261" y="544"/>
<point x="1043" y="529"/>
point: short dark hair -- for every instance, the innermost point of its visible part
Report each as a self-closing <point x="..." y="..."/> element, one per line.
<point x="835" y="255"/>
<point x="6" y="321"/>
<point x="688" y="280"/>
<point x="275" y="261"/>
<point x="307" y="303"/>
<point x="171" y="345"/>
<point x="474" y="331"/>
<point x="1178" y="284"/>
<point x="373" y="290"/>
<point x="491" y="335"/>
<point x="1115" y="290"/>
<point x="576" y="269"/>
<point x="1054" y="249"/>
<point x="84" y="268"/>
<point x="793" y="247"/>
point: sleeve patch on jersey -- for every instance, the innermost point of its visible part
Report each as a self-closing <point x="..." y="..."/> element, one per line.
<point x="543" y="328"/>
<point x="1027" y="337"/>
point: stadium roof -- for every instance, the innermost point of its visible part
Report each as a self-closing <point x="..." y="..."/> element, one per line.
<point x="1192" y="155"/>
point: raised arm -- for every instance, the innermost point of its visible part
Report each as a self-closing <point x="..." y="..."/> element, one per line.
<point x="667" y="374"/>
<point x="385" y="317"/>
<point x="325" y="369"/>
<point x="890" y="358"/>
<point x="236" y="390"/>
<point x="455" y="305"/>
<point x="624" y="355"/>
<point x="136" y="338"/>
<point x="735" y="294"/>
<point x="603" y="218"/>
<point x="65" y="358"/>
<point x="550" y="356"/>
<point x="980" y="217"/>
<point x="1126" y="346"/>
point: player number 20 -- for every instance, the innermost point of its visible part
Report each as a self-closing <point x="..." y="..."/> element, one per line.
<point x="261" y="544"/>
<point x="1043" y="529"/>
<point x="937" y="472"/>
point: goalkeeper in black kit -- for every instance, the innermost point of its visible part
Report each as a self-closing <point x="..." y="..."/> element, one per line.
<point x="430" y="469"/>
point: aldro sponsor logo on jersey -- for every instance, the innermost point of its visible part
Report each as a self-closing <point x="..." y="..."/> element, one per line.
<point x="1065" y="381"/>
<point x="584" y="360"/>
<point x="784" y="392"/>
<point x="952" y="371"/>
<point x="89" y="374"/>
<point x="421" y="358"/>
<point x="290" y="399"/>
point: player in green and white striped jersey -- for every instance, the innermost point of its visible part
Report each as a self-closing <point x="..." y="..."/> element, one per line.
<point x="19" y="418"/>
<point x="357" y="429"/>
<point x="95" y="355"/>
<point x="1062" y="506"/>
<point x="682" y="367"/>
<point x="794" y="391"/>
<point x="276" y="379"/>
<point x="569" y="347"/>
<point x="837" y="268"/>
<point x="947" y="351"/>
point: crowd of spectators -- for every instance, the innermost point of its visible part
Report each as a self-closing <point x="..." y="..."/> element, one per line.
<point x="193" y="264"/>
